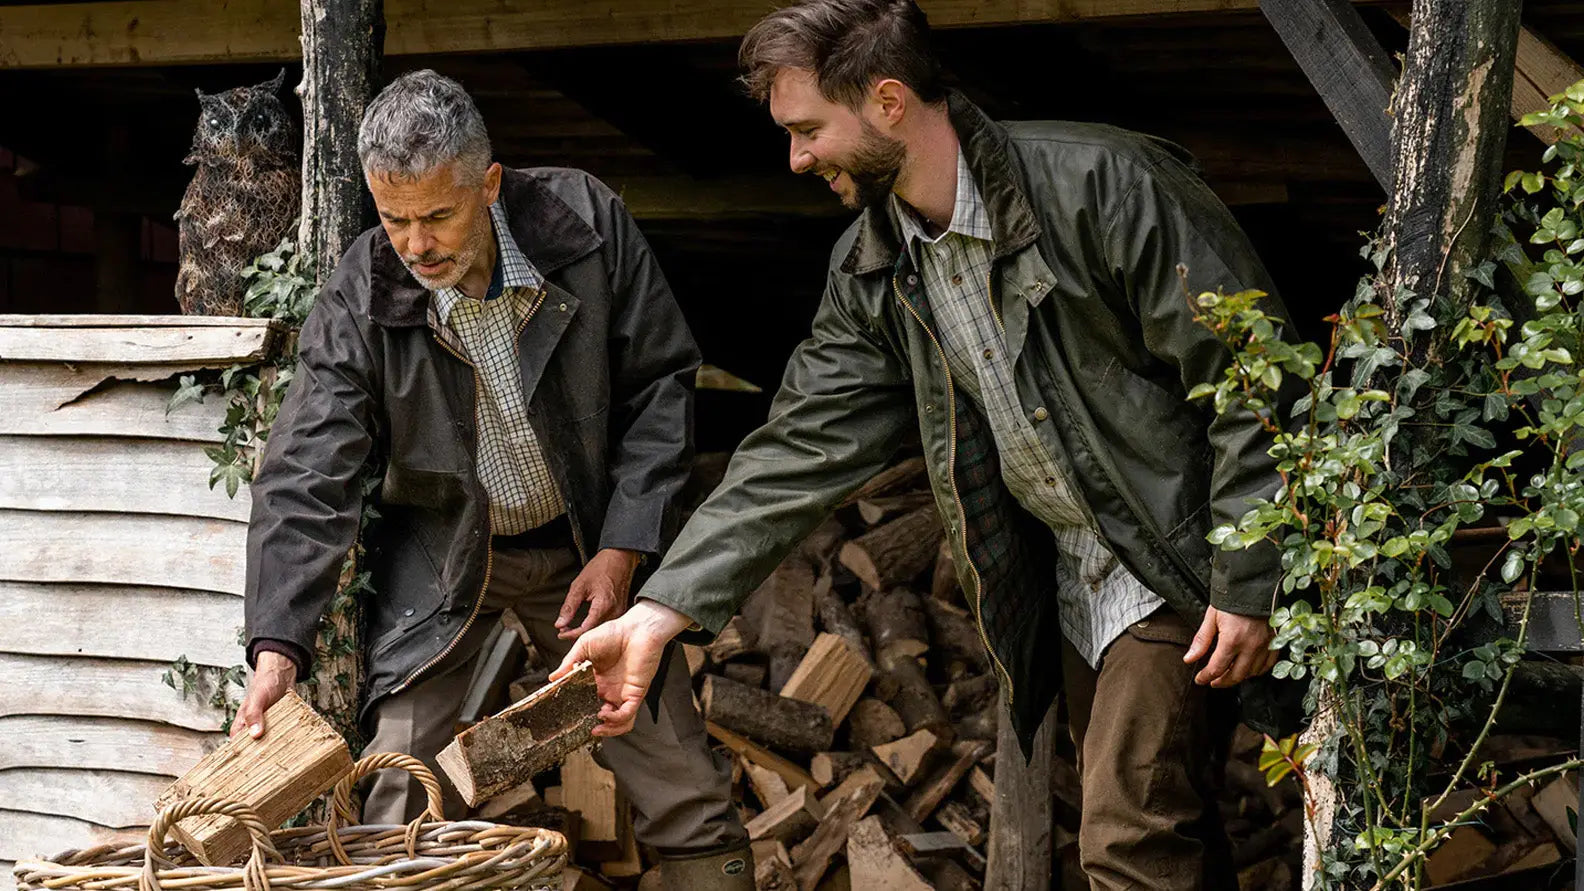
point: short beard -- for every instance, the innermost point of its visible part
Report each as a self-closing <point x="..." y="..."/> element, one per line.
<point x="464" y="260"/>
<point x="873" y="168"/>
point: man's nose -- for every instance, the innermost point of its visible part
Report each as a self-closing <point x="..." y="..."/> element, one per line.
<point x="419" y="241"/>
<point x="801" y="160"/>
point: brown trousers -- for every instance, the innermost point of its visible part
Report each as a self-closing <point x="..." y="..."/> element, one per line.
<point x="1152" y="749"/>
<point x="680" y="790"/>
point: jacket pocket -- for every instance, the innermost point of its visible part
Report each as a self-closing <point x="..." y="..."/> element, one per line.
<point x="438" y="490"/>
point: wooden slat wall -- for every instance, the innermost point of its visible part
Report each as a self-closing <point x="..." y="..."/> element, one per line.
<point x="115" y="559"/>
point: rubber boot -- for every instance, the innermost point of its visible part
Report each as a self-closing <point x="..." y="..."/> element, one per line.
<point x="718" y="869"/>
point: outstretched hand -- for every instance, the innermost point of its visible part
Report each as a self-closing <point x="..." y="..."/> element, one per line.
<point x="273" y="675"/>
<point x="626" y="654"/>
<point x="1241" y="648"/>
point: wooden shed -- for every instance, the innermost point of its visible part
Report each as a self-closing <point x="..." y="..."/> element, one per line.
<point x="116" y="559"/>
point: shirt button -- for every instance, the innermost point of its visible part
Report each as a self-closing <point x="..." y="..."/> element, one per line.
<point x="1050" y="481"/>
<point x="989" y="353"/>
<point x="407" y="612"/>
<point x="956" y="279"/>
<point x="562" y="307"/>
<point x="1041" y="414"/>
<point x="1144" y="624"/>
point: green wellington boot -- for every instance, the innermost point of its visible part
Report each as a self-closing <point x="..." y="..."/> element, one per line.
<point x="720" y="869"/>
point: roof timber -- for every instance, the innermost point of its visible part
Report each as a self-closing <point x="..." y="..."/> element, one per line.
<point x="162" y="32"/>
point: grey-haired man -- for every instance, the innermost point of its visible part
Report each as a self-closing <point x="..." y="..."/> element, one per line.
<point x="505" y="350"/>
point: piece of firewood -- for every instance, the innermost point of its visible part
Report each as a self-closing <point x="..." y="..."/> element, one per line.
<point x="875" y="862"/>
<point x="789" y="819"/>
<point x="781" y="614"/>
<point x="981" y="724"/>
<point x="819" y="547"/>
<point x="886" y="507"/>
<point x="760" y="715"/>
<point x="575" y="878"/>
<point x="790" y="773"/>
<point x="812" y="856"/>
<point x="969" y="694"/>
<point x="959" y="820"/>
<point x="944" y="584"/>
<point x="894" y="554"/>
<point x="773" y="874"/>
<point x="629" y="864"/>
<point x="746" y="673"/>
<point x="898" y="477"/>
<point x="299" y="758"/>
<point x="908" y="756"/>
<point x="527" y="683"/>
<point x="734" y="640"/>
<point x="952" y="629"/>
<point x="507" y="749"/>
<point x="983" y="786"/>
<point x="697" y="658"/>
<point x="871" y="723"/>
<point x="836" y="618"/>
<point x="922" y="846"/>
<point x="913" y="697"/>
<point x="767" y="784"/>
<point x="828" y="768"/>
<point x="896" y="623"/>
<point x="590" y="790"/>
<point x="831" y="676"/>
<point x="523" y="797"/>
<point x="933" y="790"/>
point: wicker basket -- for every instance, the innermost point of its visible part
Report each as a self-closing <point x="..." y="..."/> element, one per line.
<point x="428" y="853"/>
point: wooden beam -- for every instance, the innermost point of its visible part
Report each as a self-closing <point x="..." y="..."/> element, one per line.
<point x="160" y="32"/>
<point x="1542" y="71"/>
<point x="1019" y="851"/>
<point x="1348" y="68"/>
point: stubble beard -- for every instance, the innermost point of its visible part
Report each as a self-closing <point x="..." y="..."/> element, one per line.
<point x="873" y="168"/>
<point x="464" y="260"/>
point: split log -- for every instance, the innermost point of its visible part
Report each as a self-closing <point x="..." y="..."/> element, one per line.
<point x="523" y="798"/>
<point x="299" y="757"/>
<point x="887" y="507"/>
<point x="969" y="694"/>
<point x="895" y="553"/>
<point x="914" y="699"/>
<point x="897" y="478"/>
<point x="788" y="820"/>
<point x="960" y="821"/>
<point x="746" y="673"/>
<point x="896" y="623"/>
<point x="831" y="676"/>
<point x="932" y="791"/>
<point x="875" y="862"/>
<point x="812" y="856"/>
<point x="768" y="785"/>
<point x="837" y="618"/>
<point x="793" y="775"/>
<point x="872" y="723"/>
<point x="829" y="768"/>
<point x="505" y="750"/>
<point x="908" y="756"/>
<point x="734" y="640"/>
<point x="772" y="874"/>
<point x="983" y="786"/>
<point x="953" y="630"/>
<point x="774" y="720"/>
<point x="590" y="790"/>
<point x="781" y="614"/>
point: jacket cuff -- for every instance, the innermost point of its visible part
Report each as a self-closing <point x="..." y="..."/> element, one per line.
<point x="1245" y="582"/>
<point x="634" y="524"/>
<point x="299" y="657"/>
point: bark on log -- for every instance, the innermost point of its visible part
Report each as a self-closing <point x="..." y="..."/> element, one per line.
<point x="896" y="623"/>
<point x="830" y="768"/>
<point x="898" y="477"/>
<point x="914" y="699"/>
<point x="774" y="720"/>
<point x="953" y="630"/>
<point x="895" y="553"/>
<point x="872" y="723"/>
<point x="837" y="618"/>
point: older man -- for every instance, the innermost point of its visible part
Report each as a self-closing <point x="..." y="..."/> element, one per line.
<point x="505" y="351"/>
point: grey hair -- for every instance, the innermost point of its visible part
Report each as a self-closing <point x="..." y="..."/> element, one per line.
<point x="420" y="122"/>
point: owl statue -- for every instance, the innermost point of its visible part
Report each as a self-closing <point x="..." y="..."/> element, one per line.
<point x="243" y="198"/>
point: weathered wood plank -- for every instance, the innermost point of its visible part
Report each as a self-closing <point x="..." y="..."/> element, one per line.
<point x="1541" y="71"/>
<point x="110" y="688"/>
<point x="93" y="473"/>
<point x="120" y="622"/>
<point x="126" y="549"/>
<point x="1019" y="850"/>
<point x="102" y="743"/>
<point x="51" y="398"/>
<point x="112" y="798"/>
<point x="158" y="32"/>
<point x="96" y="320"/>
<point x="163" y="344"/>
<point x="1348" y="68"/>
<point x="25" y="836"/>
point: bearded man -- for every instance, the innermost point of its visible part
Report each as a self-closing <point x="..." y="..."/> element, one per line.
<point x="506" y="356"/>
<point x="1013" y="292"/>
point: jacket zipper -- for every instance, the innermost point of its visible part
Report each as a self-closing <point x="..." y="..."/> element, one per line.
<point x="489" y="550"/>
<point x="951" y="477"/>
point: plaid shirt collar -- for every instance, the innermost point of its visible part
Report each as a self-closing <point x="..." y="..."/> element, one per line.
<point x="517" y="273"/>
<point x="970" y="216"/>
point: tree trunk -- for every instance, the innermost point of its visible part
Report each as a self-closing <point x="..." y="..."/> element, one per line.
<point x="1451" y="128"/>
<point x="342" y="42"/>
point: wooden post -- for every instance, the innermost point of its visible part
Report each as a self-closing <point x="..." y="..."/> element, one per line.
<point x="1450" y="130"/>
<point x="1019" y="850"/>
<point x="342" y="43"/>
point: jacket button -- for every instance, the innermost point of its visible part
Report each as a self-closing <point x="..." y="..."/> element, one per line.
<point x="407" y="612"/>
<point x="1050" y="481"/>
<point x="929" y="407"/>
<point x="912" y="281"/>
<point x="562" y="307"/>
<point x="1041" y="414"/>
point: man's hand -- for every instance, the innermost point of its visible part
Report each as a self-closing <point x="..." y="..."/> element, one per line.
<point x="626" y="653"/>
<point x="1242" y="648"/>
<point x="604" y="584"/>
<point x="273" y="675"/>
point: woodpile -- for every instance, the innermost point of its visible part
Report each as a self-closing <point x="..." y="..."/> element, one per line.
<point x="861" y="722"/>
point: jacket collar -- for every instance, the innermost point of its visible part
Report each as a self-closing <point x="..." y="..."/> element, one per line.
<point x="550" y="234"/>
<point x="1013" y="223"/>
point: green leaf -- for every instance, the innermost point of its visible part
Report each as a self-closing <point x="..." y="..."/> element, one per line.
<point x="1532" y="183"/>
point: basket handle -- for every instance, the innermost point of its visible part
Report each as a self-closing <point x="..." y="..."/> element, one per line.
<point x="341" y="809"/>
<point x="254" y="877"/>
